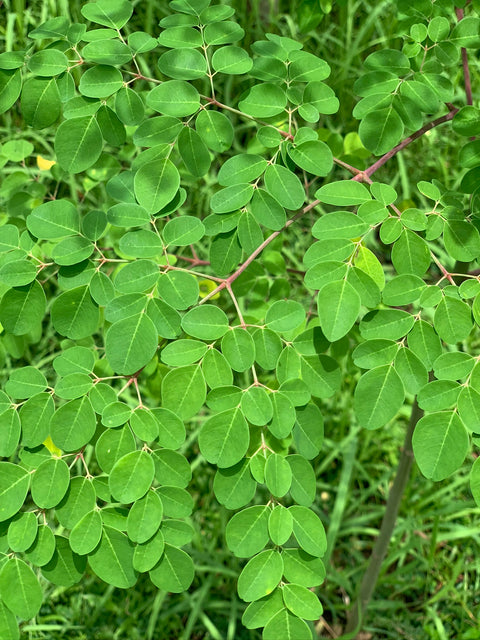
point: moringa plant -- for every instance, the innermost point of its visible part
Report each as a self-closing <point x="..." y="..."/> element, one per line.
<point x="151" y="280"/>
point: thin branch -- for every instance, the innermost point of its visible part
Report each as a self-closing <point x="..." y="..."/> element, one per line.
<point x="360" y="177"/>
<point x="382" y="542"/>
<point x="228" y="281"/>
<point x="466" y="69"/>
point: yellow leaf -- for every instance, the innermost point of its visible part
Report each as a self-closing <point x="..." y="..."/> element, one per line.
<point x="43" y="164"/>
<point x="54" y="450"/>
<point x="206" y="286"/>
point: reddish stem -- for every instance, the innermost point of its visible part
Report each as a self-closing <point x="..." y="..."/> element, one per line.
<point x="404" y="143"/>
<point x="466" y="69"/>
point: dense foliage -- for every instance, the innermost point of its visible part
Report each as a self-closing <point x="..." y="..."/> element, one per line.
<point x="153" y="295"/>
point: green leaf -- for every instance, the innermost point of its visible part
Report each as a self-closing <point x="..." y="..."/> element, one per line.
<point x="306" y="67"/>
<point x="309" y="531"/>
<point x="379" y="395"/>
<point x="50" y="483"/>
<point x="374" y="353"/>
<point x="74" y="314"/>
<point x="278" y="475"/>
<point x="303" y="486"/>
<point x="380" y="130"/>
<point x="283" y="418"/>
<point x="109" y="13"/>
<point x="247" y="531"/>
<point x="73" y="424"/>
<point x="11" y="429"/>
<point x="224" y="438"/>
<point x="286" y="626"/>
<point x="109" y="52"/>
<point x="259" y="612"/>
<point x="268" y="347"/>
<point x="390" y="324"/>
<point x="302" y="602"/>
<point x="184" y="391"/>
<point x="21" y="591"/>
<point x="206" y="322"/>
<point x="86" y="534"/>
<point x="462" y="240"/>
<point x="403" y="290"/>
<point x="231" y="198"/>
<point x="43" y="548"/>
<point x="180" y="290"/>
<point x="216" y="369"/>
<point x="257" y="406"/>
<point x="156" y="184"/>
<point x="215" y="129"/>
<point x="466" y="32"/>
<point x="131" y="343"/>
<point x="194" y="152"/>
<point x="129" y="106"/>
<point x="47" y="63"/>
<point x="440" y="444"/>
<point x="136" y="277"/>
<point x="284" y="315"/>
<point x="78" y="144"/>
<point x="264" y="101"/>
<point x="302" y="568"/>
<point x="468" y="408"/>
<point x="10" y="87"/>
<point x="339" y="224"/>
<point x="242" y="168"/>
<point x="183" y="352"/>
<point x="260" y="576"/>
<point x="231" y="60"/>
<point x="147" y="554"/>
<point x="8" y="624"/>
<point x="425" y="343"/>
<point x="183" y="64"/>
<point x="79" y="499"/>
<point x="284" y="186"/>
<point x="131" y="476"/>
<point x="22" y="308"/>
<point x="321" y="97"/>
<point x="267" y="210"/>
<point x="453" y="320"/>
<point x="438" y="395"/>
<point x="308" y="431"/>
<point x="174" y="98"/>
<point x="411" y="370"/>
<point x="113" y="445"/>
<point x="249" y="233"/>
<point x="454" y="365"/>
<point x="40" y="103"/>
<point x="338" y="308"/>
<point x="280" y="525"/>
<point x="238" y="348"/>
<point x="25" y="382"/>
<point x="72" y="250"/>
<point x="174" y="572"/>
<point x="389" y="60"/>
<point x="313" y="156"/>
<point x="54" y="219"/>
<point x="180" y="38"/>
<point x="410" y="254"/>
<point x="112" y="560"/>
<point x="22" y="531"/>
<point x="234" y="486"/>
<point x="177" y="503"/>
<point x="343" y="193"/>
